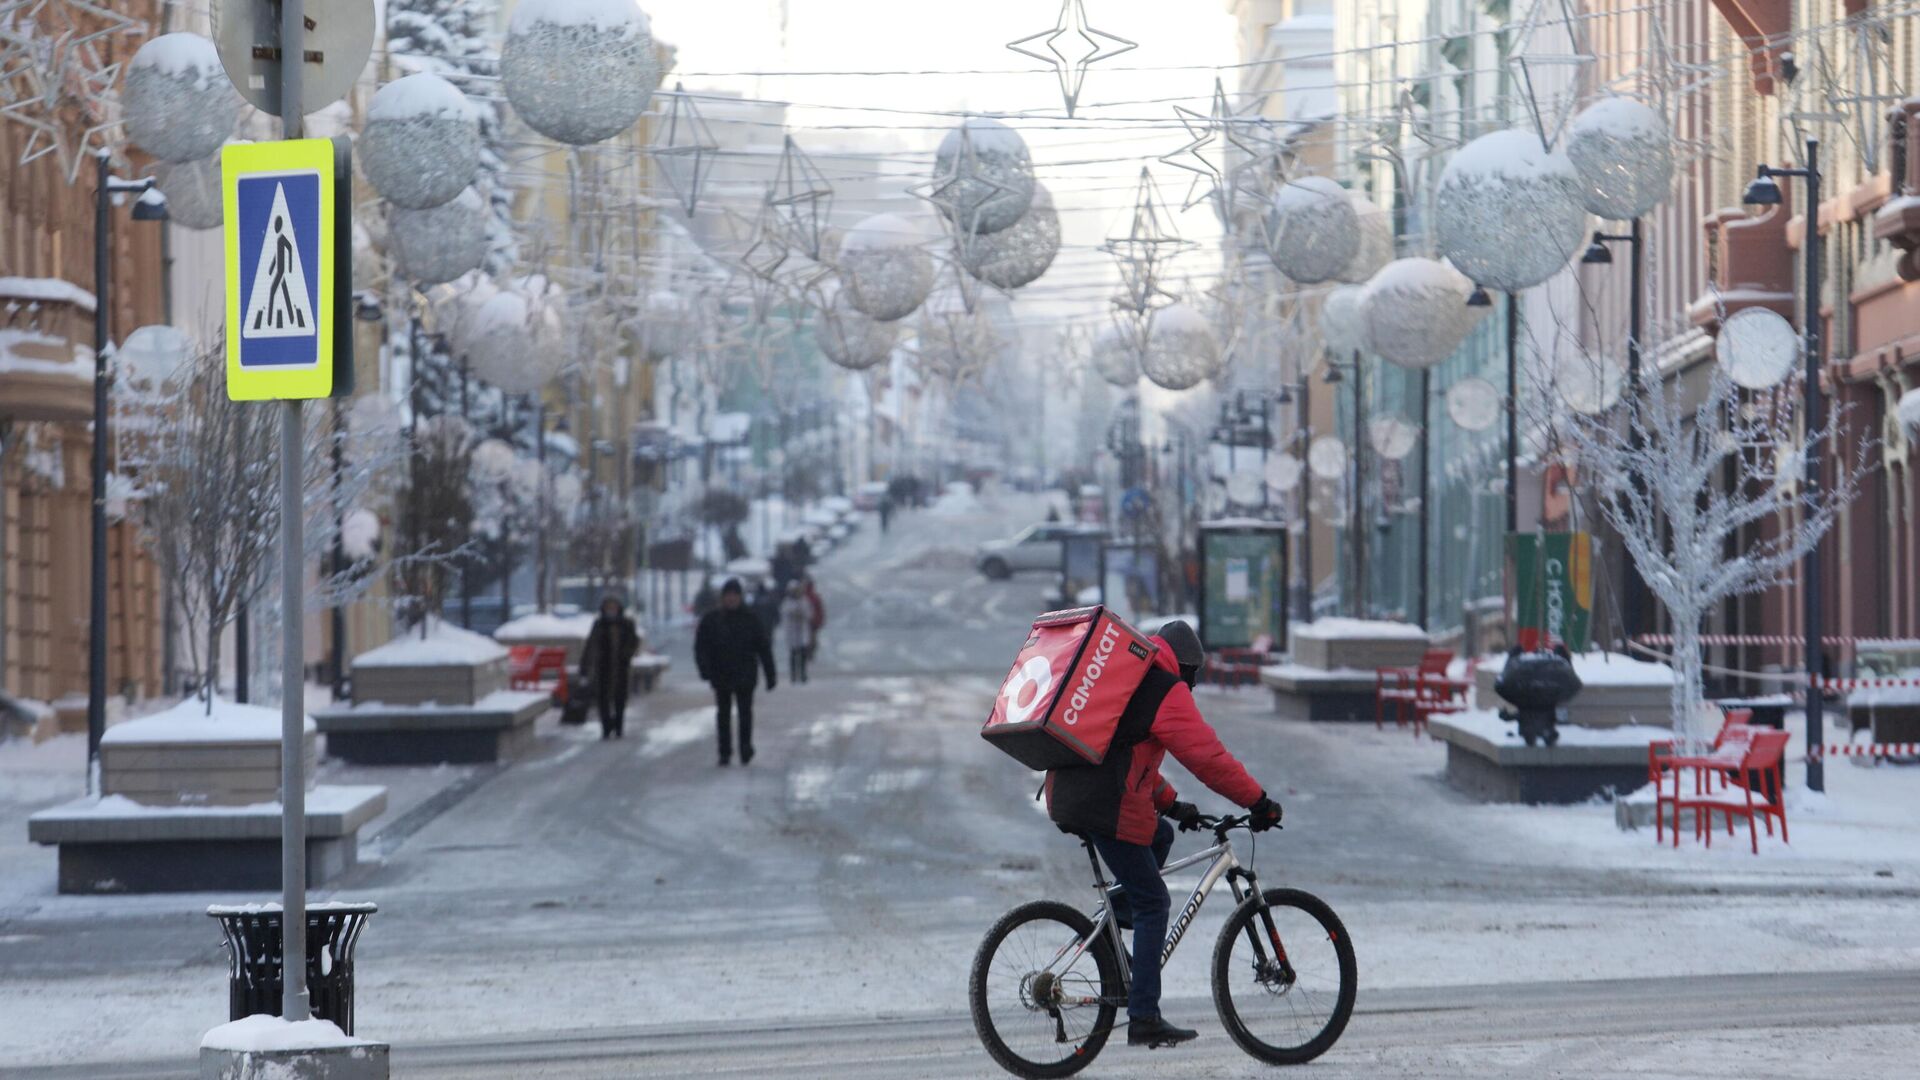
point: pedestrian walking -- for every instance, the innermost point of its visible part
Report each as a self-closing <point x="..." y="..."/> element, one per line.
<point x="816" y="614"/>
<point x="730" y="649"/>
<point x="886" y="512"/>
<point x="606" y="663"/>
<point x="766" y="605"/>
<point x="796" y="627"/>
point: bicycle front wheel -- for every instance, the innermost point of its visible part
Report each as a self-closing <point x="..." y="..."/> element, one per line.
<point x="1040" y="1011"/>
<point x="1284" y="976"/>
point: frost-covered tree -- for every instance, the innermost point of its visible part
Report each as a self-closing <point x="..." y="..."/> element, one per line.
<point x="435" y="514"/>
<point x="1660" y="480"/>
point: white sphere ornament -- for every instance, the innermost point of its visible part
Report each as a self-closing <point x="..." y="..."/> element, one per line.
<point x="1909" y="410"/>
<point x="1116" y="357"/>
<point x="1020" y="253"/>
<point x="192" y="189"/>
<point x="1622" y="153"/>
<point x="1758" y="347"/>
<point x="1375" y="247"/>
<point x="579" y="71"/>
<point x="886" y="272"/>
<point x="1327" y="457"/>
<point x="515" y="342"/>
<point x="1590" y="385"/>
<point x="850" y="339"/>
<point x="178" y="104"/>
<point x="1312" y="231"/>
<point x="1474" y="404"/>
<point x="1416" y="312"/>
<point x="1180" y="350"/>
<point x="1283" y="472"/>
<point x="1507" y="211"/>
<point x="436" y="245"/>
<point x="153" y="355"/>
<point x="666" y="324"/>
<point x="982" y="176"/>
<point x="1392" y="437"/>
<point x="421" y="144"/>
<point x="1343" y="321"/>
<point x="1243" y="486"/>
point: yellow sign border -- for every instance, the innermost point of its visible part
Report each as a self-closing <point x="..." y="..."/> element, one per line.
<point x="242" y="160"/>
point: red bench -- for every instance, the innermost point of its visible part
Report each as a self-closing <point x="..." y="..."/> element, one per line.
<point x="1405" y="689"/>
<point x="1238" y="667"/>
<point x="536" y="667"/>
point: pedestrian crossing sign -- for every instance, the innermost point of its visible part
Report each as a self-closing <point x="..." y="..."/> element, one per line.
<point x="283" y="261"/>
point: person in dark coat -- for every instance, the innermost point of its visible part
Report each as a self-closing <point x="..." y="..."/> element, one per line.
<point x="606" y="662"/>
<point x="766" y="604"/>
<point x="886" y="512"/>
<point x="730" y="649"/>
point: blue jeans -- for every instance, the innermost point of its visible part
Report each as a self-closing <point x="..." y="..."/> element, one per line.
<point x="1136" y="869"/>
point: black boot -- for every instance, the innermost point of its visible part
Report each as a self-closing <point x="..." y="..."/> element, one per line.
<point x="1157" y="1032"/>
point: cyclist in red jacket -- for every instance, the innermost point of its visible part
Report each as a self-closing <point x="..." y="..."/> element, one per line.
<point x="1118" y="804"/>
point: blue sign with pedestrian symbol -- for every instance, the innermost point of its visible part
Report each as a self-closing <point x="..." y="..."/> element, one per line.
<point x="281" y="262"/>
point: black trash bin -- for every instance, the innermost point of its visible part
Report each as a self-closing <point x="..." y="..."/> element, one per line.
<point x="254" y="939"/>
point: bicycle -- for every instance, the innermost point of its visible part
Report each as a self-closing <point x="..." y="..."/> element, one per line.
<point x="1057" y="977"/>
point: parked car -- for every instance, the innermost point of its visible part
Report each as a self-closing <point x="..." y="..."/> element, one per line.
<point x="1036" y="547"/>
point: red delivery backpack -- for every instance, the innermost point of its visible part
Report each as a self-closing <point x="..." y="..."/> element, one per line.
<point x="1062" y="700"/>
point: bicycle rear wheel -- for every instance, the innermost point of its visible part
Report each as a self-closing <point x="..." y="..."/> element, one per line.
<point x="1037" y="1018"/>
<point x="1284" y="977"/>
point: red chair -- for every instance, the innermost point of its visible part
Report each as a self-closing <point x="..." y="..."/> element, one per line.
<point x="532" y="667"/>
<point x="1760" y="771"/>
<point x="1723" y="761"/>
<point x="1238" y="667"/>
<point x="520" y="666"/>
<point x="1440" y="694"/>
<point x="1402" y="687"/>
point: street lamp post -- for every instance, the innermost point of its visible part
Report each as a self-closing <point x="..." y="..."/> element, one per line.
<point x="1764" y="192"/>
<point x="1599" y="254"/>
<point x="150" y="206"/>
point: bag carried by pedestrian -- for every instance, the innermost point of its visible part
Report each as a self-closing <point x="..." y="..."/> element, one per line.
<point x="1072" y="679"/>
<point x="574" y="694"/>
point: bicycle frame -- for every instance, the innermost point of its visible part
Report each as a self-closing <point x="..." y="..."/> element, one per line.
<point x="1224" y="866"/>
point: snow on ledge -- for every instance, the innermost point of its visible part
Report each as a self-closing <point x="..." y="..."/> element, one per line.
<point x="265" y="1034"/>
<point x="1332" y="626"/>
<point x="443" y="646"/>
<point x="190" y="722"/>
<point x="1487" y="725"/>
<point x="1601" y="669"/>
<point x="545" y="625"/>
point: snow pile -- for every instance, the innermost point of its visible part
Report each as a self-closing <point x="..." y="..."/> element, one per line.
<point x="1331" y="626"/>
<point x="266" y="1034"/>
<point x="418" y="96"/>
<point x="1487" y="724"/>
<point x="988" y="136"/>
<point x="1888" y="696"/>
<point x="46" y="291"/>
<point x="190" y="721"/>
<point x="882" y="232"/>
<point x="1602" y="669"/>
<point x="360" y="534"/>
<point x="598" y="14"/>
<point x="545" y="626"/>
<point x="50" y="354"/>
<point x="442" y="646"/>
<point x="180" y="55"/>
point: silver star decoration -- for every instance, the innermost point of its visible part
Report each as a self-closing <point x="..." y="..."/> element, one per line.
<point x="962" y="193"/>
<point x="52" y="65"/>
<point x="685" y="149"/>
<point x="1666" y="79"/>
<point x="1548" y="58"/>
<point x="1144" y="252"/>
<point x="1232" y="149"/>
<point x="1871" y="84"/>
<point x="760" y="261"/>
<point x="801" y="199"/>
<point x="1072" y="70"/>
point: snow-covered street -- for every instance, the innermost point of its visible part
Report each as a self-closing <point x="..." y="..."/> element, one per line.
<point x="626" y="908"/>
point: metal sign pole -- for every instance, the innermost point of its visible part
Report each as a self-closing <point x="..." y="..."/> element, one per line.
<point x="293" y="790"/>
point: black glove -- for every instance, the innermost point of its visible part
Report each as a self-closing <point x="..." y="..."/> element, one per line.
<point x="1265" y="814"/>
<point x="1184" y="814"/>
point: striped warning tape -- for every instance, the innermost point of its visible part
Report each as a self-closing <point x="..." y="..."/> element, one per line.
<point x="1865" y="684"/>
<point x="1772" y="639"/>
<point x="1865" y="750"/>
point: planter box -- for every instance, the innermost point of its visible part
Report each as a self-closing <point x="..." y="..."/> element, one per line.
<point x="233" y="772"/>
<point x="1598" y="705"/>
<point x="1492" y="770"/>
<point x="444" y="684"/>
<point x="1331" y="644"/>
<point x="114" y="845"/>
<point x="1304" y="693"/>
<point x="496" y="728"/>
<point x="567" y="632"/>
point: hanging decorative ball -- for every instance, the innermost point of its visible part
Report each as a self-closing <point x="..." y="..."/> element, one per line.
<point x="1243" y="486"/>
<point x="1019" y="254"/>
<point x="1327" y="457"/>
<point x="665" y="325"/>
<point x="441" y="243"/>
<point x="151" y="357"/>
<point x="886" y="272"/>
<point x="1283" y="472"/>
<point x="421" y="145"/>
<point x="1908" y="410"/>
<point x="192" y="189"/>
<point x="1758" y="348"/>
<point x="1622" y="153"/>
<point x="515" y="341"/>
<point x="1343" y="321"/>
<point x="850" y="339"/>
<point x="1392" y="437"/>
<point x="1416" y="312"/>
<point x="954" y="342"/>
<point x="1116" y="356"/>
<point x="579" y="71"/>
<point x="1507" y="212"/>
<point x="982" y="176"/>
<point x="464" y="298"/>
<point x="1312" y="231"/>
<point x="178" y="103"/>
<point x="1473" y="404"/>
<point x="1375" y="247"/>
<point x="1590" y="385"/>
<point x="1180" y="348"/>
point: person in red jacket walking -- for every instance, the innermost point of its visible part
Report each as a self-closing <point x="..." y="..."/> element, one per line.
<point x="1118" y="805"/>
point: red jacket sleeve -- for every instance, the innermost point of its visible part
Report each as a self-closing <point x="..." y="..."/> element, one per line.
<point x="1164" y="795"/>
<point x="1192" y="742"/>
